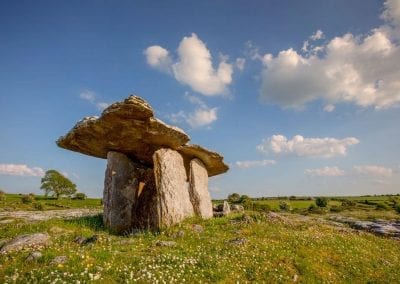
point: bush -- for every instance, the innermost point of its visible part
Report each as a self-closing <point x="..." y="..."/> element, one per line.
<point x="80" y="196"/>
<point x="397" y="207"/>
<point x="348" y="203"/>
<point x="261" y="207"/>
<point x="381" y="206"/>
<point x="38" y="206"/>
<point x="233" y="198"/>
<point x="284" y="206"/>
<point x="336" y="208"/>
<point x="321" y="202"/>
<point x="2" y="195"/>
<point x="315" y="209"/>
<point x="28" y="198"/>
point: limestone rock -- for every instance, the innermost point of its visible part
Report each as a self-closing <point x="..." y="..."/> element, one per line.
<point x="212" y="160"/>
<point x="59" y="259"/>
<point x="226" y="209"/>
<point x="34" y="255"/>
<point x="165" y="243"/>
<point x="173" y="199"/>
<point x="128" y="127"/>
<point x="237" y="208"/>
<point x="121" y="185"/>
<point x="25" y="241"/>
<point x="198" y="191"/>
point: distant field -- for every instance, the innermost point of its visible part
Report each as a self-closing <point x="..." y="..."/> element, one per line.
<point x="14" y="202"/>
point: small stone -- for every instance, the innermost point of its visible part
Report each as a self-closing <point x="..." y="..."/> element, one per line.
<point x="81" y="240"/>
<point x="35" y="255"/>
<point x="247" y="219"/>
<point x="59" y="259"/>
<point x="197" y="228"/>
<point x="238" y="241"/>
<point x="237" y="208"/>
<point x="179" y="234"/>
<point x="165" y="243"/>
<point x="226" y="208"/>
<point x="24" y="241"/>
<point x="218" y="214"/>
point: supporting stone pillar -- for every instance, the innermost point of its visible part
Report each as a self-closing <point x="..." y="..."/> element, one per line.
<point x="121" y="185"/>
<point x="198" y="191"/>
<point x="173" y="201"/>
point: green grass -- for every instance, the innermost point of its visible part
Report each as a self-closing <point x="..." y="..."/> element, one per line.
<point x="13" y="202"/>
<point x="275" y="252"/>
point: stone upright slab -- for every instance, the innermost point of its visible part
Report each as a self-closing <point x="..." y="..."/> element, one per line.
<point x="172" y="188"/>
<point x="121" y="184"/>
<point x="199" y="195"/>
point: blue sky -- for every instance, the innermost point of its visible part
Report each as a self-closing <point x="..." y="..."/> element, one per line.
<point x="301" y="97"/>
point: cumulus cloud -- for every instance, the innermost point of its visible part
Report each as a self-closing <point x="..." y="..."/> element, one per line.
<point x="307" y="147"/>
<point x="158" y="58"/>
<point x="317" y="35"/>
<point x="194" y="66"/>
<point x="359" y="69"/>
<point x="203" y="115"/>
<point x="240" y="63"/>
<point x="90" y="96"/>
<point x="252" y="164"/>
<point x="373" y="170"/>
<point x="329" y="108"/>
<point x="325" y="172"/>
<point x="21" y="170"/>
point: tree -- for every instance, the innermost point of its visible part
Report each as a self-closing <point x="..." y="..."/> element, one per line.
<point x="244" y="198"/>
<point x="321" y="202"/>
<point x="57" y="184"/>
<point x="233" y="198"/>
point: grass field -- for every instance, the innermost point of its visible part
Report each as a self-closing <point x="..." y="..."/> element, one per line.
<point x="13" y="202"/>
<point x="274" y="251"/>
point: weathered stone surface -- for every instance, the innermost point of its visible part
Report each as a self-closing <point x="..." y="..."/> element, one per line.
<point x="26" y="241"/>
<point x="128" y="127"/>
<point x="121" y="185"/>
<point x="198" y="190"/>
<point x="173" y="199"/>
<point x="237" y="208"/>
<point x="59" y="259"/>
<point x="226" y="209"/>
<point x="34" y="255"/>
<point x="212" y="160"/>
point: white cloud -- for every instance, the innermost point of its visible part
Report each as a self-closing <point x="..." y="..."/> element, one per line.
<point x="359" y="69"/>
<point x="373" y="170"/>
<point x="203" y="115"/>
<point x="158" y="58"/>
<point x="325" y="171"/>
<point x="308" y="147"/>
<point x="252" y="164"/>
<point x="90" y="96"/>
<point x="20" y="170"/>
<point x="317" y="35"/>
<point x="329" y="108"/>
<point x="194" y="66"/>
<point x="240" y="63"/>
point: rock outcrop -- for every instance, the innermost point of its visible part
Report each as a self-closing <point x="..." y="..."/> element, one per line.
<point x="154" y="179"/>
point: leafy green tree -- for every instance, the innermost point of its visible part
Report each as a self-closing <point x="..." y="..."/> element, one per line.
<point x="244" y="198"/>
<point x="233" y="198"/>
<point x="57" y="184"/>
<point x="321" y="201"/>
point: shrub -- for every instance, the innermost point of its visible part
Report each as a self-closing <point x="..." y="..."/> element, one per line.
<point x="28" y="198"/>
<point x="80" y="196"/>
<point x="336" y="208"/>
<point x="38" y="206"/>
<point x="261" y="207"/>
<point x="381" y="206"/>
<point x="315" y="209"/>
<point x="321" y="202"/>
<point x="284" y="206"/>
<point x="233" y="198"/>
<point x="244" y="198"/>
<point x="397" y="207"/>
<point x="348" y="203"/>
<point x="2" y="195"/>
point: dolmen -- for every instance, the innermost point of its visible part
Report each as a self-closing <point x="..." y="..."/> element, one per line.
<point x="154" y="178"/>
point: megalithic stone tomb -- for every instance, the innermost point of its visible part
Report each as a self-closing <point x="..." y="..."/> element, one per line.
<point x="154" y="178"/>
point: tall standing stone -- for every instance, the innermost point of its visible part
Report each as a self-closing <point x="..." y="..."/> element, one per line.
<point x="172" y="188"/>
<point x="120" y="190"/>
<point x="199" y="195"/>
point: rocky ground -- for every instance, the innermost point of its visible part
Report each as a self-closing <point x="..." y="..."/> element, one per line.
<point x="34" y="216"/>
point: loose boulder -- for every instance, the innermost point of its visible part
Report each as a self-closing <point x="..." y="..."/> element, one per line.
<point x="26" y="241"/>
